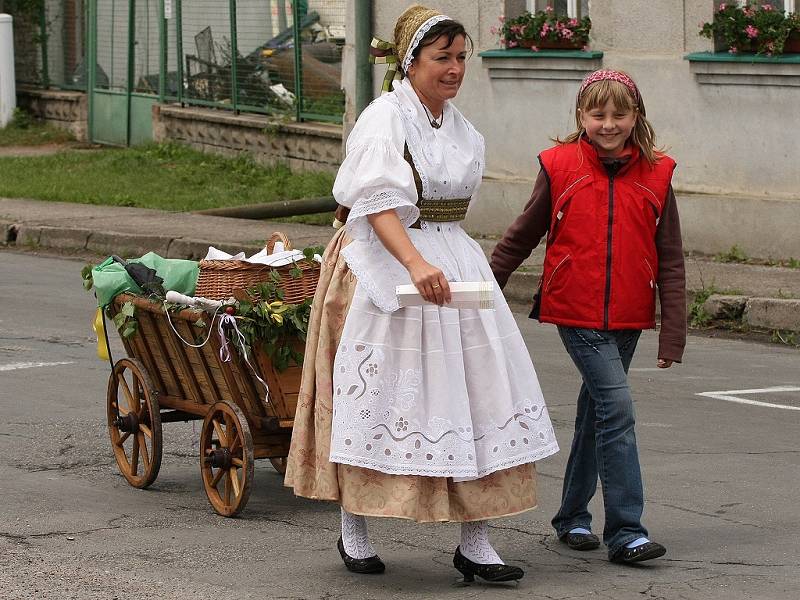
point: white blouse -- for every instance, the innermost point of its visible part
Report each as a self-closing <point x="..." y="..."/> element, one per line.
<point x="375" y="177"/>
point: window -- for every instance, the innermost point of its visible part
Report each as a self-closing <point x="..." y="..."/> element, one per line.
<point x="787" y="6"/>
<point x="571" y="8"/>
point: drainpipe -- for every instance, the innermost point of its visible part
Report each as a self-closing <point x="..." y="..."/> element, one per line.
<point x="363" y="37"/>
<point x="8" y="95"/>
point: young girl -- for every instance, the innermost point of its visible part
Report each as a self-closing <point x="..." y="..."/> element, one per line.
<point x="604" y="199"/>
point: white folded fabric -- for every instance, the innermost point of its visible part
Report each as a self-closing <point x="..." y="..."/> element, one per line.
<point x="217" y="254"/>
<point x="278" y="258"/>
<point x="465" y="294"/>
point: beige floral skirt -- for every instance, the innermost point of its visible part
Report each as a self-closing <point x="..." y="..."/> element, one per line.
<point x="365" y="491"/>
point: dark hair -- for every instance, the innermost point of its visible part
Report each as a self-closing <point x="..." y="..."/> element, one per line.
<point x="449" y="28"/>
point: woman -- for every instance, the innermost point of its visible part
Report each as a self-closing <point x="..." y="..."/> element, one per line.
<point x="427" y="412"/>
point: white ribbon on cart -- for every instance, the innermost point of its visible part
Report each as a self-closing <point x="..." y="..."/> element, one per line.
<point x="225" y="320"/>
<point x="229" y="321"/>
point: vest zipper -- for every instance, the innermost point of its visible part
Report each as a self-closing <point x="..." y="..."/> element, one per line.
<point x="607" y="299"/>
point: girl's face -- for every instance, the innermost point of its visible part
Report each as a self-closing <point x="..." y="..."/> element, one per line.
<point x="608" y="127"/>
<point x="439" y="69"/>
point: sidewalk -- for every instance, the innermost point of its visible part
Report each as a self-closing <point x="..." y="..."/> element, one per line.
<point x="771" y="294"/>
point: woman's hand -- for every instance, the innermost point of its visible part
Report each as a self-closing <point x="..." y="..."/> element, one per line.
<point x="429" y="281"/>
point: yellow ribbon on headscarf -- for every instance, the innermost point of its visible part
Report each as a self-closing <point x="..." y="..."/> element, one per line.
<point x="382" y="52"/>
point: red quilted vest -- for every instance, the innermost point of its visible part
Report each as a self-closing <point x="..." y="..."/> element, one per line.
<point x="601" y="264"/>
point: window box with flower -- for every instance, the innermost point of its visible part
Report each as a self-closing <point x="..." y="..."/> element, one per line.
<point x="754" y="45"/>
<point x="548" y="44"/>
<point x="544" y="30"/>
<point x="751" y="28"/>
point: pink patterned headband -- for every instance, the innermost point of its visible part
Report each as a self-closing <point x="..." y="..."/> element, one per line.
<point x="609" y="74"/>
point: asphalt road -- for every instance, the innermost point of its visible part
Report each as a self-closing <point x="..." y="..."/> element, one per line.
<point x="721" y="475"/>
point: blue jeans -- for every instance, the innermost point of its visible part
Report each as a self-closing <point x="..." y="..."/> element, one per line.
<point x="604" y="442"/>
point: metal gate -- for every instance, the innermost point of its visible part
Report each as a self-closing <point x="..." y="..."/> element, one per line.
<point x="126" y="67"/>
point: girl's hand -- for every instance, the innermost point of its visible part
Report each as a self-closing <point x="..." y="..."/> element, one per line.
<point x="664" y="363"/>
<point x="430" y="282"/>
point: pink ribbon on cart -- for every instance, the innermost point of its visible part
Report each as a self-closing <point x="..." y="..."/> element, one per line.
<point x="229" y="321"/>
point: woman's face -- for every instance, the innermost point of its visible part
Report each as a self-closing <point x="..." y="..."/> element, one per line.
<point x="438" y="71"/>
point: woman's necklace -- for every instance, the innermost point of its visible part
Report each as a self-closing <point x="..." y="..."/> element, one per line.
<point x="435" y="123"/>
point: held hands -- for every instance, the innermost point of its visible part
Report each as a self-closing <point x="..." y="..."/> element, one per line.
<point x="664" y="363"/>
<point x="430" y="282"/>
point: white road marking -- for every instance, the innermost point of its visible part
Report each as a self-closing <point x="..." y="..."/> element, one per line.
<point x="32" y="365"/>
<point x="733" y="396"/>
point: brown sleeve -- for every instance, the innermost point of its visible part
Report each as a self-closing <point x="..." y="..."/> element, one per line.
<point x="671" y="282"/>
<point x="525" y="232"/>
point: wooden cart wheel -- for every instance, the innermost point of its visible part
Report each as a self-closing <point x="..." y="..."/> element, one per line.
<point x="279" y="464"/>
<point x="134" y="422"/>
<point x="226" y="458"/>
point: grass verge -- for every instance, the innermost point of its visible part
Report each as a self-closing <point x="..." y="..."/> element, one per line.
<point x="163" y="176"/>
<point x="24" y="130"/>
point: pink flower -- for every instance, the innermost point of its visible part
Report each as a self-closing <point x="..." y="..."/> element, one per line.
<point x="722" y="7"/>
<point x="751" y="31"/>
<point x="493" y="30"/>
<point x="512" y="43"/>
<point x="573" y="22"/>
<point x="544" y="31"/>
<point x="733" y="50"/>
<point x="548" y="9"/>
<point x="501" y="18"/>
<point x="767" y="7"/>
<point x="567" y="34"/>
<point x="534" y="49"/>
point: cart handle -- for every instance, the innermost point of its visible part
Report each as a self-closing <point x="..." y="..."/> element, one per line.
<point x="197" y="301"/>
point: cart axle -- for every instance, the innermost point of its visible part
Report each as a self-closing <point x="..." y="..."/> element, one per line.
<point x="220" y="458"/>
<point x="128" y="423"/>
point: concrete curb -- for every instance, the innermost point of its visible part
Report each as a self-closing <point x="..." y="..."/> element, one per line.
<point x="781" y="314"/>
<point x="767" y="313"/>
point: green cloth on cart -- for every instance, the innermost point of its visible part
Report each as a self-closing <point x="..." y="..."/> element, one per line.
<point x="110" y="277"/>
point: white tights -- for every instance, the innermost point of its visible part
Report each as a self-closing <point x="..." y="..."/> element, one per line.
<point x="354" y="536"/>
<point x="474" y="540"/>
<point x="475" y="543"/>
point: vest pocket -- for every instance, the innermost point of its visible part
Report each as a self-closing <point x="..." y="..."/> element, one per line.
<point x="561" y="205"/>
<point x="651" y="201"/>
<point x="558" y="268"/>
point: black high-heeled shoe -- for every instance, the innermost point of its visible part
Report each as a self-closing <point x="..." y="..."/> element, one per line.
<point x="493" y="573"/>
<point x="365" y="566"/>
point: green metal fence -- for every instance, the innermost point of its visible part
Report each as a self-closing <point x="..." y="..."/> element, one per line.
<point x="266" y="56"/>
<point x="49" y="44"/>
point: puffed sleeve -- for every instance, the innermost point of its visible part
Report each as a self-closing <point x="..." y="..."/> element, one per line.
<point x="374" y="176"/>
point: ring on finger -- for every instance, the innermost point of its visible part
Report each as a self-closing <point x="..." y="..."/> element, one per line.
<point x="436" y="285"/>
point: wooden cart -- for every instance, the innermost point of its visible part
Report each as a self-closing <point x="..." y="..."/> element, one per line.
<point x="165" y="380"/>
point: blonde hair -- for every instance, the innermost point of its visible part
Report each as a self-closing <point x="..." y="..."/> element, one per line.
<point x="597" y="95"/>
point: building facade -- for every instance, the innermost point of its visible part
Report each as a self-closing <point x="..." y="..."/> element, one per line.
<point x="730" y="124"/>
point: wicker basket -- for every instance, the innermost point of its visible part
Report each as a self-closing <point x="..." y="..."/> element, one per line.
<point x="220" y="279"/>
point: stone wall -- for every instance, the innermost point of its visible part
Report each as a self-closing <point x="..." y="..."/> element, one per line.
<point x="65" y="109"/>
<point x="312" y="146"/>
